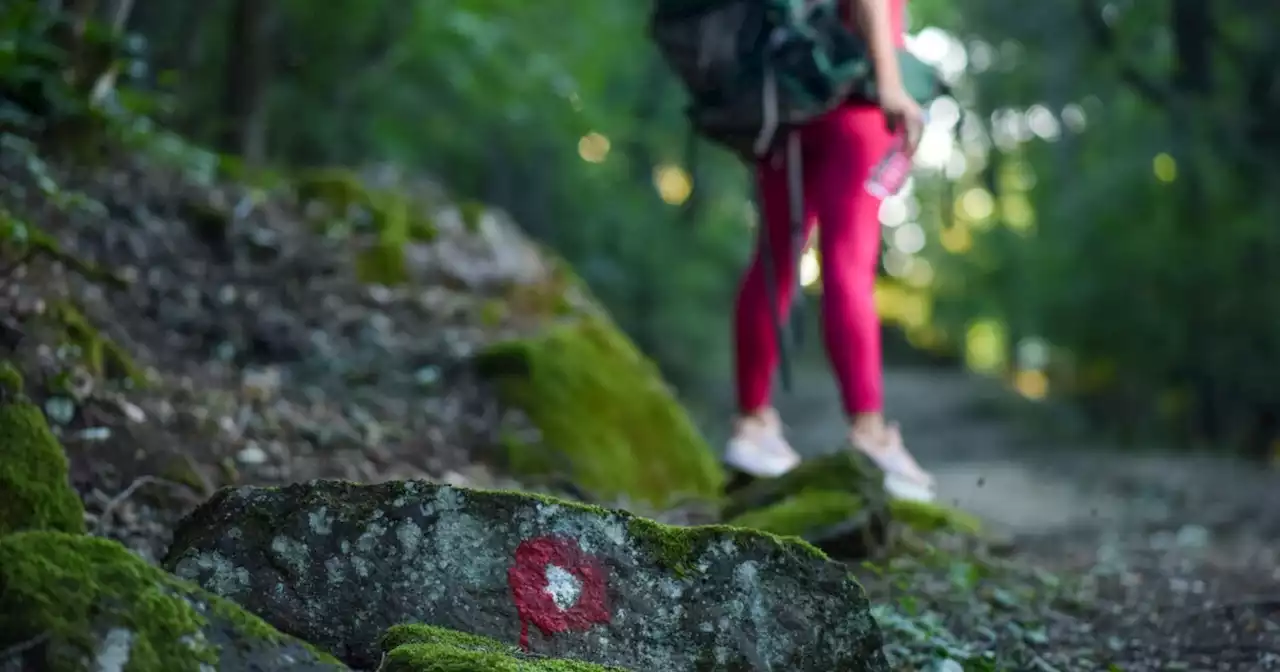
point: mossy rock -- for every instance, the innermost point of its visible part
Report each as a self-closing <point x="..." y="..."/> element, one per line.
<point x="841" y="471"/>
<point x="932" y="517"/>
<point x="33" y="468"/>
<point x="338" y="564"/>
<point x="608" y="420"/>
<point x="838" y="522"/>
<point x="426" y="648"/>
<point x="836" y="502"/>
<point x="85" y="603"/>
<point x="809" y="500"/>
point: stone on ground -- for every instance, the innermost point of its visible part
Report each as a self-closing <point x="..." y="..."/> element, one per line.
<point x="608" y="420"/>
<point x="73" y="602"/>
<point x="836" y="502"/>
<point x="34" y="491"/>
<point x="337" y="563"/>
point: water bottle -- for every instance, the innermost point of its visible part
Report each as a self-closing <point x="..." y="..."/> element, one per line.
<point x="892" y="171"/>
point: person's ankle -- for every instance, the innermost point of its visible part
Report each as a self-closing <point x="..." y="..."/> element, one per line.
<point x="765" y="416"/>
<point x="868" y="427"/>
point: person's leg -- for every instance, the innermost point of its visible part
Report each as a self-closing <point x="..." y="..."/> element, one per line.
<point x="757" y="445"/>
<point x="853" y="140"/>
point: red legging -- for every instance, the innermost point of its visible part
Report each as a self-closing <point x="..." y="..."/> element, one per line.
<point x="839" y="151"/>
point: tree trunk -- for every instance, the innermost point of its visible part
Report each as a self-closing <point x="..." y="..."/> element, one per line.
<point x="244" y="122"/>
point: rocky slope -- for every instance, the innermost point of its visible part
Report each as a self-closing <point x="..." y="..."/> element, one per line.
<point x="176" y="328"/>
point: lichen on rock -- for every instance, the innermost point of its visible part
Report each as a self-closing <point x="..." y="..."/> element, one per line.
<point x="338" y="563"/>
<point x="33" y="468"/>
<point x="425" y="648"/>
<point x="607" y="419"/>
<point x="84" y="603"/>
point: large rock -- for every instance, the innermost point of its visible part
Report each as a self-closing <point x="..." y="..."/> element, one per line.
<point x="73" y="602"/>
<point x="337" y="563"/>
<point x="34" y="491"/>
<point x="607" y="418"/>
<point x="836" y="502"/>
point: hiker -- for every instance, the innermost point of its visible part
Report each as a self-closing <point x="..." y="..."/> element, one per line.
<point x="839" y="150"/>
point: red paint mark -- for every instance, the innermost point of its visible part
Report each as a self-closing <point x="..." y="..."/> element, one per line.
<point x="535" y="604"/>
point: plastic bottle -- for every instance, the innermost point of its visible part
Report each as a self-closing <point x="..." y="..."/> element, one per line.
<point x="891" y="172"/>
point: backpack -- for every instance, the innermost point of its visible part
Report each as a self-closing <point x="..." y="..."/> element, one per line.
<point x="755" y="68"/>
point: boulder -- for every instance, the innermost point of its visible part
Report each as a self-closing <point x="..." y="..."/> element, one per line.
<point x="72" y="602"/>
<point x="836" y="502"/>
<point x="34" y="491"/>
<point x="607" y="419"/>
<point x="337" y="564"/>
<point x="426" y="648"/>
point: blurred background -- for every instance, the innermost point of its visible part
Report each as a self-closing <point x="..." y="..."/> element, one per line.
<point x="1094" y="217"/>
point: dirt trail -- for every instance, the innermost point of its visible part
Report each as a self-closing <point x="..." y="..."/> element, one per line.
<point x="1179" y="554"/>
<point x="1018" y="479"/>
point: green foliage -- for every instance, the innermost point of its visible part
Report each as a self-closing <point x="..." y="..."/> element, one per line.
<point x="1130" y="239"/>
<point x="1133" y="240"/>
<point x="50" y="70"/>
<point x="495" y="98"/>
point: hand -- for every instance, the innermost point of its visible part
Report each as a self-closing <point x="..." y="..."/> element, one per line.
<point x="903" y="115"/>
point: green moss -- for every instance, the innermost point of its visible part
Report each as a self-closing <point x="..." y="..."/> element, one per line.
<point x="67" y="587"/>
<point x="674" y="547"/>
<point x="493" y="312"/>
<point x="24" y="238"/>
<point x="382" y="264"/>
<point x="417" y="633"/>
<point x="33" y="473"/>
<point x="471" y="212"/>
<point x="803" y="512"/>
<point x="925" y="517"/>
<point x="843" y="471"/>
<point x="607" y="418"/>
<point x="394" y="216"/>
<point x="551" y="298"/>
<point x="425" y="648"/>
<point x="10" y="380"/>
<point x="100" y="355"/>
<point x="678" y="548"/>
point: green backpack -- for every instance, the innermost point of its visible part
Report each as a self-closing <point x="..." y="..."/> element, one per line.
<point x="755" y="68"/>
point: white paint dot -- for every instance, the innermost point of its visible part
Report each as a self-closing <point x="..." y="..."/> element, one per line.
<point x="563" y="586"/>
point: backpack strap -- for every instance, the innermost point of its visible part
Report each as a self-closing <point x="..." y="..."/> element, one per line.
<point x="795" y="203"/>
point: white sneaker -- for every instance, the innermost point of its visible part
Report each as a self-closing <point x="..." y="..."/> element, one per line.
<point x="903" y="477"/>
<point x="758" y="447"/>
